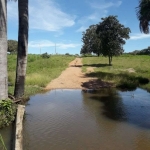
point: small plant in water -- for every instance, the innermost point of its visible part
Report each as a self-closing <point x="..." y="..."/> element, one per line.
<point x="2" y="143"/>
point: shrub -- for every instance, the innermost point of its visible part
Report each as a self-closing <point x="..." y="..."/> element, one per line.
<point x="45" y="55"/>
<point x="67" y="54"/>
<point x="87" y="55"/>
<point x="7" y="112"/>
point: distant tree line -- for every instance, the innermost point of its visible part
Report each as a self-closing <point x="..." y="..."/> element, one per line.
<point x="145" y="51"/>
<point x="106" y="38"/>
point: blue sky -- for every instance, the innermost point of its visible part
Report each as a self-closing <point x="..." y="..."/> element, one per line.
<point x="59" y="23"/>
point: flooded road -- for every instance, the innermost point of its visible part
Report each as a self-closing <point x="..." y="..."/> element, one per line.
<point x="88" y="120"/>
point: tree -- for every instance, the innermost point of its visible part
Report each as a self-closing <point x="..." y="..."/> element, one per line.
<point x="112" y="35"/>
<point x="91" y="42"/>
<point x="143" y="15"/>
<point x="22" y="48"/>
<point x="3" y="50"/>
<point x="12" y="46"/>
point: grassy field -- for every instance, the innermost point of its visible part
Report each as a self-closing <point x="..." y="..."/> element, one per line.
<point x="127" y="71"/>
<point x="40" y="71"/>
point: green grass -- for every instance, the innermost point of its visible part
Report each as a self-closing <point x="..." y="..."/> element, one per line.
<point x="40" y="71"/>
<point x="119" y="73"/>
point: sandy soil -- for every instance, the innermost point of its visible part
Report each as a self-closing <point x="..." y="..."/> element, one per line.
<point x="74" y="78"/>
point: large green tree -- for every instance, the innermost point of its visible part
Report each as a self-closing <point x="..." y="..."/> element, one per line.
<point x="143" y="14"/>
<point x="112" y="35"/>
<point x="22" y="48"/>
<point x="3" y="50"/>
<point x="91" y="42"/>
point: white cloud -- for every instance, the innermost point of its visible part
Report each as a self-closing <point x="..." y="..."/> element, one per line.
<point x="44" y="43"/>
<point x="47" y="43"/>
<point x="139" y="36"/>
<point x="102" y="8"/>
<point x="105" y="5"/>
<point x="47" y="15"/>
<point x="81" y="29"/>
<point x="86" y="21"/>
<point x="43" y="15"/>
<point x="66" y="46"/>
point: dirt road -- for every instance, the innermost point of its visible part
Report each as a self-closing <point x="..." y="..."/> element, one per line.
<point x="74" y="78"/>
<point x="71" y="78"/>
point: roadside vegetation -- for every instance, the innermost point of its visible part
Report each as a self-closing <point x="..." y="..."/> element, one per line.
<point x="41" y="69"/>
<point x="7" y="113"/>
<point x="126" y="72"/>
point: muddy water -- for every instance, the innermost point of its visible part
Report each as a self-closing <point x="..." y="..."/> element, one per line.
<point x="78" y="120"/>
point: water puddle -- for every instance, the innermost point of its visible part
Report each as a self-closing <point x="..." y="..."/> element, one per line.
<point x="88" y="120"/>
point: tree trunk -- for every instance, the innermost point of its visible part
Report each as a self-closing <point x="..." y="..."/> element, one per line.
<point x="22" y="48"/>
<point x="110" y="59"/>
<point x="3" y="50"/>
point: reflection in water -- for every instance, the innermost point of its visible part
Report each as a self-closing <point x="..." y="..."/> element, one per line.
<point x="113" y="106"/>
<point x="92" y="120"/>
<point x="132" y="107"/>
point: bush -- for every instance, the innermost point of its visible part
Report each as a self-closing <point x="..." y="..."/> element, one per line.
<point x="67" y="54"/>
<point x="87" y="55"/>
<point x="45" y="55"/>
<point x="7" y="112"/>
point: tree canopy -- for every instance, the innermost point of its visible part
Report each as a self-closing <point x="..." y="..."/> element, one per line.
<point x="112" y="35"/>
<point x="12" y="46"/>
<point x="143" y="15"/>
<point x="91" y="42"/>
